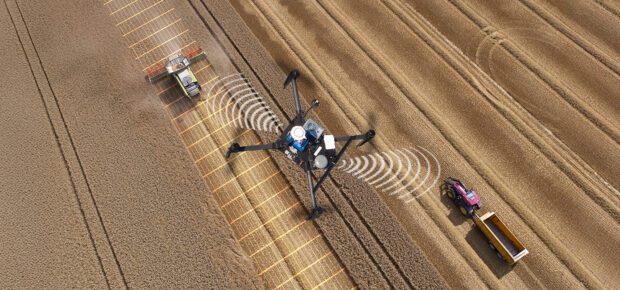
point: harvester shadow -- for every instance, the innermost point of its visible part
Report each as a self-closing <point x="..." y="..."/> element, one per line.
<point x="480" y="244"/>
<point x="455" y="215"/>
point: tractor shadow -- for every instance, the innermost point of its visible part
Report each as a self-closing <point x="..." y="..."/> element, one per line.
<point x="455" y="216"/>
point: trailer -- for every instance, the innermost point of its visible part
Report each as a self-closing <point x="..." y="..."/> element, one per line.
<point x="501" y="239"/>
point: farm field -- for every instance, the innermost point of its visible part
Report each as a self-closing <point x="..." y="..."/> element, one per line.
<point x="111" y="182"/>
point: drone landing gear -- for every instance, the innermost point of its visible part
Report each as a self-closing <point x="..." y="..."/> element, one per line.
<point x="316" y="212"/>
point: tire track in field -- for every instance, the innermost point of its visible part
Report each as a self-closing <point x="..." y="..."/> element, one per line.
<point x="587" y="178"/>
<point x="588" y="47"/>
<point x="490" y="177"/>
<point x="560" y="154"/>
<point x="611" y="9"/>
<point x="73" y="151"/>
<point x="62" y="154"/>
<point x="568" y="95"/>
<point x="588" y="20"/>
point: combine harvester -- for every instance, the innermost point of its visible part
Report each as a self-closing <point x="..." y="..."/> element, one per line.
<point x="501" y="239"/>
<point x="177" y="66"/>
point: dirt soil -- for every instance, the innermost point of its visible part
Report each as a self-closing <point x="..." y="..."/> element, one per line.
<point x="518" y="98"/>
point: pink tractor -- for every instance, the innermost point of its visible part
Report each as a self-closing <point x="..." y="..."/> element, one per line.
<point x="466" y="200"/>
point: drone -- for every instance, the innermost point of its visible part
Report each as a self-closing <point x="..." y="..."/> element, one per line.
<point x="306" y="143"/>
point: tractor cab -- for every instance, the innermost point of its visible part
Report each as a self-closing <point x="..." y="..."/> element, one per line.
<point x="469" y="195"/>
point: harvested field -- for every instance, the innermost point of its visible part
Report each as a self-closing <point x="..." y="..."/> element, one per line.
<point x="127" y="184"/>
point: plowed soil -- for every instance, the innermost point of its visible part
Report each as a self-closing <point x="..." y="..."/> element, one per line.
<point x="103" y="186"/>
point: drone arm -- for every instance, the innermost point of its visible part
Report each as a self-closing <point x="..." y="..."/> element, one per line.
<point x="292" y="78"/>
<point x="235" y="147"/>
<point x="364" y="137"/>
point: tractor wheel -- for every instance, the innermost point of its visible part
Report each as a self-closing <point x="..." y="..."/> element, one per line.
<point x="450" y="193"/>
<point x="464" y="211"/>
